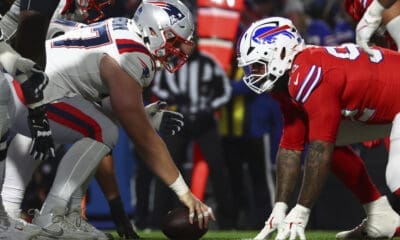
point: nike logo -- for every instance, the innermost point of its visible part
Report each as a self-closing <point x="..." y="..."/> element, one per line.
<point x="296" y="82"/>
<point x="58" y="233"/>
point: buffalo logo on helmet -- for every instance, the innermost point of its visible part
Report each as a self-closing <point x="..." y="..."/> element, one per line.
<point x="173" y="12"/>
<point x="268" y="33"/>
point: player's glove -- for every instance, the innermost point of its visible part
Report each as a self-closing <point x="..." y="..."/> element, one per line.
<point x="294" y="224"/>
<point x="366" y="27"/>
<point x="124" y="227"/>
<point x="42" y="141"/>
<point x="164" y="121"/>
<point x="33" y="87"/>
<point x="273" y="222"/>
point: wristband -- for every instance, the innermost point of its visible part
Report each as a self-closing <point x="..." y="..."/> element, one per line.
<point x="179" y="186"/>
<point x="280" y="207"/>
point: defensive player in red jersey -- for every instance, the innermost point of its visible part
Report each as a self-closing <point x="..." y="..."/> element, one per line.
<point x="320" y="92"/>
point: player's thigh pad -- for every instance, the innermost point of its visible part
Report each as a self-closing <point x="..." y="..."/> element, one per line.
<point x="70" y="120"/>
<point x="79" y="118"/>
<point x="351" y="132"/>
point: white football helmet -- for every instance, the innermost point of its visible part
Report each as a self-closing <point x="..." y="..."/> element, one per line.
<point x="167" y="30"/>
<point x="266" y="51"/>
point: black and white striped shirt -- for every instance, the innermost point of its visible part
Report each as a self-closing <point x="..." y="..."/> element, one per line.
<point x="200" y="85"/>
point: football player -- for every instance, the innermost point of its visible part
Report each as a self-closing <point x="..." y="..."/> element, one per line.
<point x="302" y="78"/>
<point x="32" y="81"/>
<point x="84" y="11"/>
<point x="118" y="58"/>
<point x="62" y="116"/>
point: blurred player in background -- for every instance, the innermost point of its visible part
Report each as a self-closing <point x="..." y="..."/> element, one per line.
<point x="258" y="49"/>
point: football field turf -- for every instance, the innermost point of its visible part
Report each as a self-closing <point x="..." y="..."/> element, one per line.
<point x="237" y="235"/>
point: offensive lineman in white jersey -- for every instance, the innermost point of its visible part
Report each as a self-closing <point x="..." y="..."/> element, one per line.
<point x="116" y="59"/>
<point x="14" y="182"/>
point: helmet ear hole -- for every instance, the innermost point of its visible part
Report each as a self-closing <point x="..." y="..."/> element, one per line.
<point x="283" y="53"/>
<point x="152" y="32"/>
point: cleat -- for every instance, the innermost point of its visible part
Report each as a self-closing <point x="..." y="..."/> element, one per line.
<point x="373" y="228"/>
<point x="381" y="222"/>
<point x="355" y="233"/>
<point x="11" y="229"/>
<point x="55" y="225"/>
<point x="75" y="218"/>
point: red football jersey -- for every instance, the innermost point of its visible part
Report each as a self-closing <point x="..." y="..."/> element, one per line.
<point x="331" y="83"/>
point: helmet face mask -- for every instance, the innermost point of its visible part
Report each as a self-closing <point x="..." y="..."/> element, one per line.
<point x="256" y="76"/>
<point x="92" y="10"/>
<point x="167" y="30"/>
<point x="272" y="43"/>
<point x="175" y="51"/>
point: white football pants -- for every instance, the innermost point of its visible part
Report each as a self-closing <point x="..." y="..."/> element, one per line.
<point x="72" y="120"/>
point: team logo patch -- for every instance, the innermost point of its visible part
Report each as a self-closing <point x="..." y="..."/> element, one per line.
<point x="173" y="12"/>
<point x="269" y="32"/>
<point x="146" y="70"/>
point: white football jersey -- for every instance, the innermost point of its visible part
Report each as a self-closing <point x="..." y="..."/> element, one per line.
<point x="73" y="59"/>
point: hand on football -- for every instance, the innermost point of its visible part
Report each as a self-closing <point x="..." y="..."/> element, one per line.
<point x="164" y="121"/>
<point x="273" y="222"/>
<point x="197" y="209"/>
<point x="294" y="224"/>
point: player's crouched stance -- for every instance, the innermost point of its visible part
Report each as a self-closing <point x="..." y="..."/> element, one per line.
<point x="276" y="60"/>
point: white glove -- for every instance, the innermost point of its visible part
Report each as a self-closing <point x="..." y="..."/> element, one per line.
<point x="366" y="27"/>
<point x="294" y="224"/>
<point x="164" y="121"/>
<point x="273" y="222"/>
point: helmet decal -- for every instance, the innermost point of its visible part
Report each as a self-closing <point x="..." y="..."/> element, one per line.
<point x="167" y="29"/>
<point x="268" y="33"/>
<point x="266" y="51"/>
<point x="173" y="12"/>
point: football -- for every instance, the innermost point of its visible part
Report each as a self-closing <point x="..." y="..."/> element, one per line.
<point x="176" y="226"/>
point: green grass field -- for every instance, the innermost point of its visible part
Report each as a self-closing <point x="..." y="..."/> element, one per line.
<point x="237" y="235"/>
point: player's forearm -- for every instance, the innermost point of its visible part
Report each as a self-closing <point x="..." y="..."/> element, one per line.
<point x="151" y="148"/>
<point x="159" y="161"/>
<point x="316" y="170"/>
<point x="288" y="169"/>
